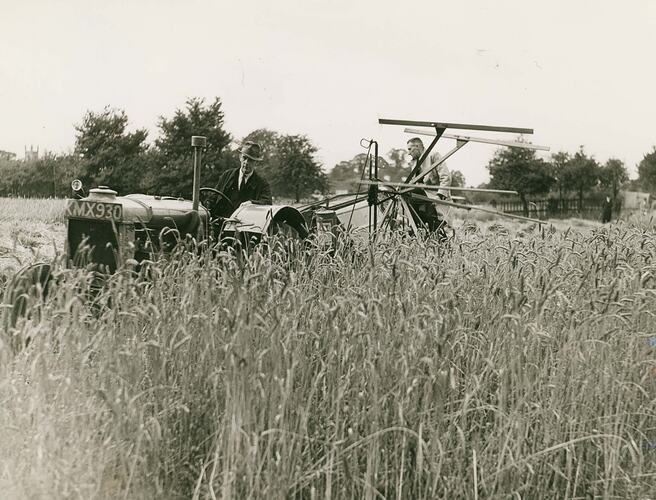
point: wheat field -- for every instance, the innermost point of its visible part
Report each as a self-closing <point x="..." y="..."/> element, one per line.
<point x="515" y="362"/>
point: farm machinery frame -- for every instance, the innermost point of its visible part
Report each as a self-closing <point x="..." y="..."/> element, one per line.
<point x="411" y="204"/>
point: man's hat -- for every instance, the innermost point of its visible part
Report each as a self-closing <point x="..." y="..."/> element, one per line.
<point x="251" y="150"/>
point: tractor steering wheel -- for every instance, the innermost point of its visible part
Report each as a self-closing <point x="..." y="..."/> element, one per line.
<point x="217" y="210"/>
<point x="220" y="194"/>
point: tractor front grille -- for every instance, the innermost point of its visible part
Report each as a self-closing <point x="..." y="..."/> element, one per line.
<point x="93" y="242"/>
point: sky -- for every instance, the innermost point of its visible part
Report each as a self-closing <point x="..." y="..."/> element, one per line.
<point x="579" y="72"/>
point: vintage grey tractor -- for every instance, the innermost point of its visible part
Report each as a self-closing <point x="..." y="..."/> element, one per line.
<point x="106" y="232"/>
<point x="109" y="231"/>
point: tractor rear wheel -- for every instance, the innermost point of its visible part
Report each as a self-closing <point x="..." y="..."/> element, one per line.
<point x="22" y="298"/>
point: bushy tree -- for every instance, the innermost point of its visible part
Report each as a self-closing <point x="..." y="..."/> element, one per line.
<point x="289" y="164"/>
<point x="171" y="168"/>
<point x="110" y="154"/>
<point x="457" y="179"/>
<point x="613" y="176"/>
<point x="558" y="165"/>
<point x="520" y="170"/>
<point x="393" y="167"/>
<point x="48" y="176"/>
<point x="7" y="170"/>
<point x="347" y="174"/>
<point x="6" y="156"/>
<point x="296" y="173"/>
<point x="581" y="173"/>
<point x="647" y="172"/>
<point x="57" y="171"/>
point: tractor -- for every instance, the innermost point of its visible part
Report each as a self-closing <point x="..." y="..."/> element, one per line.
<point x="106" y="232"/>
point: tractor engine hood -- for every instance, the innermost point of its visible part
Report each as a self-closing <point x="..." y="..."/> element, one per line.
<point x="148" y="210"/>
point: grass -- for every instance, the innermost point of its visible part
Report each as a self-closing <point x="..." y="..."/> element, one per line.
<point x="46" y="210"/>
<point x="510" y="364"/>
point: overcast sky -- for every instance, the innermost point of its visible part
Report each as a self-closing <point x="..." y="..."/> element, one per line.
<point x="578" y="72"/>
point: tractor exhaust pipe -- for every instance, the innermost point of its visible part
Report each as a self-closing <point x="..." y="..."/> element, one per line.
<point x="198" y="142"/>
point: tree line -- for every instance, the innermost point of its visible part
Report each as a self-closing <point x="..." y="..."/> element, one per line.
<point x="106" y="153"/>
<point x="565" y="175"/>
<point x="392" y="167"/>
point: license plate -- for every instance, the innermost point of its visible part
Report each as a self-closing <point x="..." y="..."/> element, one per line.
<point x="85" y="209"/>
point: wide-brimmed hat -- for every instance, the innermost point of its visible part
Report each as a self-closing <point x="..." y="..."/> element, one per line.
<point x="251" y="150"/>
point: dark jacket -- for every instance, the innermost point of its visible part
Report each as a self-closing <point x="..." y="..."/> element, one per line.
<point x="256" y="189"/>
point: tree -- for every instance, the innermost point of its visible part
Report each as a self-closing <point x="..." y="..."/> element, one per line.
<point x="647" y="171"/>
<point x="396" y="168"/>
<point x="7" y="156"/>
<point x="613" y="176"/>
<point x="7" y="169"/>
<point x="457" y="179"/>
<point x="521" y="170"/>
<point x="558" y="165"/>
<point x="347" y="174"/>
<point x="295" y="172"/>
<point x="109" y="152"/>
<point x="171" y="171"/>
<point x="55" y="172"/>
<point x="581" y="173"/>
<point x="289" y="164"/>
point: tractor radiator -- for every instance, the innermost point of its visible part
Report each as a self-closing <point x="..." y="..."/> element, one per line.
<point x="93" y="242"/>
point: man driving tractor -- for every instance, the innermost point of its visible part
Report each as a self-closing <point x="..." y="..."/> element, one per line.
<point x="242" y="184"/>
